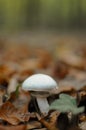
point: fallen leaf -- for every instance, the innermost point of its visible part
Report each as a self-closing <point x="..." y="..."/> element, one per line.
<point x="50" y="125"/>
<point x="10" y="127"/>
<point x="7" y="70"/>
<point x="60" y="70"/>
<point x="83" y="125"/>
<point x="21" y="101"/>
<point x="33" y="125"/>
<point x="12" y="85"/>
<point x="68" y="55"/>
<point x="2" y="93"/>
<point x="13" y="115"/>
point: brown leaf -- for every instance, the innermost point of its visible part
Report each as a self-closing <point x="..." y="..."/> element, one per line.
<point x="82" y="118"/>
<point x="83" y="88"/>
<point x="3" y="88"/>
<point x="50" y="125"/>
<point x="10" y="127"/>
<point x="19" y="107"/>
<point x="60" y="70"/>
<point x="44" y="58"/>
<point x="53" y="117"/>
<point x="7" y="70"/>
<point x="11" y="114"/>
<point x="7" y="113"/>
<point x="3" y="80"/>
<point x="33" y="125"/>
<point x="21" y="101"/>
<point x="77" y="74"/>
<point x="15" y="53"/>
<point x="68" y="55"/>
<point x="2" y="93"/>
<point x="28" y="126"/>
<point x="83" y="125"/>
<point x="23" y="74"/>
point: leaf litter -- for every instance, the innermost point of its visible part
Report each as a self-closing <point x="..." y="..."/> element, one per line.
<point x="16" y="64"/>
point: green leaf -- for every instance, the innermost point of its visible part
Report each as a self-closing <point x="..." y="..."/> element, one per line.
<point x="68" y="98"/>
<point x="61" y="105"/>
<point x="66" y="103"/>
<point x="78" y="110"/>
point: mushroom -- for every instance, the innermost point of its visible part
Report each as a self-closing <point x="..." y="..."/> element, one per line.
<point x="41" y="86"/>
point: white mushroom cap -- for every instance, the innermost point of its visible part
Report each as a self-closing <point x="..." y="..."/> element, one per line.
<point x="39" y="82"/>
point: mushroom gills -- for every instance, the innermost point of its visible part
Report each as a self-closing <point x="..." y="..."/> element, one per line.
<point x="39" y="93"/>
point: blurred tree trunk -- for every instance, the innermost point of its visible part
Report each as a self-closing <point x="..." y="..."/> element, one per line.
<point x="13" y="11"/>
<point x="83" y="13"/>
<point x="79" y="13"/>
<point x="33" y="13"/>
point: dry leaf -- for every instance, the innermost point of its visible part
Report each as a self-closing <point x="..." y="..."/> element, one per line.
<point x="68" y="55"/>
<point x="12" y="85"/>
<point x="21" y="101"/>
<point x="60" y="70"/>
<point x="83" y="125"/>
<point x="3" y="88"/>
<point x="7" y="70"/>
<point x="12" y="115"/>
<point x="82" y="118"/>
<point x="50" y="125"/>
<point x="10" y="127"/>
<point x="33" y="125"/>
<point x="14" y="53"/>
<point x="8" y="113"/>
<point x="2" y="93"/>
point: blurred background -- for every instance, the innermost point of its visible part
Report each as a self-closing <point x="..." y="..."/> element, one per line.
<point x="39" y="20"/>
<point x="42" y="14"/>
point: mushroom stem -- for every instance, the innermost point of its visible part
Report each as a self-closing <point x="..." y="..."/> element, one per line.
<point x="42" y="104"/>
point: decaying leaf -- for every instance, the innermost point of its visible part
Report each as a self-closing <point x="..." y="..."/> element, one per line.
<point x="44" y="58"/>
<point x="3" y="88"/>
<point x="33" y="125"/>
<point x="68" y="55"/>
<point x="2" y="93"/>
<point x="28" y="126"/>
<point x="82" y="118"/>
<point x="10" y="127"/>
<point x="51" y="124"/>
<point x="19" y="105"/>
<point x="83" y="125"/>
<point x="7" y="70"/>
<point x="17" y="111"/>
<point x="4" y="80"/>
<point x="9" y="113"/>
<point x="21" y="101"/>
<point x="74" y="83"/>
<point x="60" y="70"/>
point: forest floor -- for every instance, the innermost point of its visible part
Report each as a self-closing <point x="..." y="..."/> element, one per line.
<point x="61" y="56"/>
